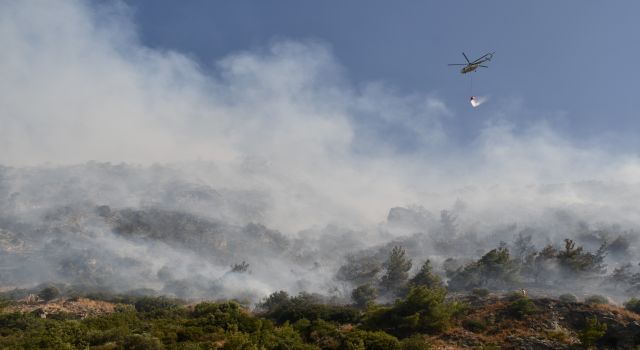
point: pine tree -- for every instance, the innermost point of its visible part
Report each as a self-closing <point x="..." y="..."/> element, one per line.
<point x="397" y="269"/>
<point x="425" y="277"/>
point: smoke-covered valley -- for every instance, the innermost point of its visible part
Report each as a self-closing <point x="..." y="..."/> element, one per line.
<point x="158" y="229"/>
<point x="132" y="168"/>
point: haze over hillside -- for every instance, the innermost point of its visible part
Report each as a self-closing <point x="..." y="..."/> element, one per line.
<point x="124" y="228"/>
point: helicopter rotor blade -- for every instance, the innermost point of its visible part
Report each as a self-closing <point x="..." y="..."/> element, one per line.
<point x="457" y="64"/>
<point x="465" y="57"/>
<point x="483" y="66"/>
<point x="490" y="55"/>
<point x="484" y="58"/>
<point x="480" y="60"/>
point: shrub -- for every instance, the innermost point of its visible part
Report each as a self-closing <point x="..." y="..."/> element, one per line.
<point x="595" y="299"/>
<point x="379" y="340"/>
<point x="320" y="332"/>
<point x="224" y="314"/>
<point x="633" y="304"/>
<point x="568" y="298"/>
<point x="49" y="293"/>
<point x="521" y="307"/>
<point x="4" y="303"/>
<point x="474" y="325"/>
<point x="235" y="340"/>
<point x="284" y="337"/>
<point x="352" y="341"/>
<point x="274" y="301"/>
<point x="513" y="296"/>
<point x="152" y="304"/>
<point x="592" y="331"/>
<point x="415" y="342"/>
<point x="51" y="334"/>
<point x="113" y="335"/>
<point x="306" y="306"/>
<point x="424" y="310"/>
<point x="558" y="335"/>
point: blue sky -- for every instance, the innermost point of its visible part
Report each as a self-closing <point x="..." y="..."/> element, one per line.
<point x="570" y="63"/>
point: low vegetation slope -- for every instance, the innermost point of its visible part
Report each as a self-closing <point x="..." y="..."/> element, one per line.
<point x="427" y="318"/>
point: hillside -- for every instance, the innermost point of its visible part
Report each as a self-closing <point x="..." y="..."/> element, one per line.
<point x="549" y="324"/>
<point x="507" y="321"/>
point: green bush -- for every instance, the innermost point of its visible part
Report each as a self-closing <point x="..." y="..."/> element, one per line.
<point x="4" y="303"/>
<point x="415" y="342"/>
<point x="125" y="320"/>
<point x="235" y="340"/>
<point x="49" y="293"/>
<point x="221" y="315"/>
<point x="141" y="342"/>
<point x="153" y="304"/>
<point x="558" y="335"/>
<point x="595" y="299"/>
<point x="521" y="307"/>
<point x="568" y="298"/>
<point x="633" y="305"/>
<point x="592" y="331"/>
<point x="283" y="338"/>
<point x="514" y="296"/>
<point x="352" y="341"/>
<point x="321" y="333"/>
<point x="274" y="301"/>
<point x="306" y="306"/>
<point x="11" y="323"/>
<point x="474" y="325"/>
<point x="378" y="340"/>
<point x="422" y="311"/>
<point x="97" y="337"/>
<point x="51" y="334"/>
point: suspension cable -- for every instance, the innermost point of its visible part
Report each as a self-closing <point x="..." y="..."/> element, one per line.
<point x="471" y="86"/>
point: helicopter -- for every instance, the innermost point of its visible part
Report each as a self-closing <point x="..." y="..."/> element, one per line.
<point x="472" y="66"/>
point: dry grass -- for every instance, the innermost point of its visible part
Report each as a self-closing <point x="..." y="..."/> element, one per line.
<point x="618" y="311"/>
<point x="80" y="307"/>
